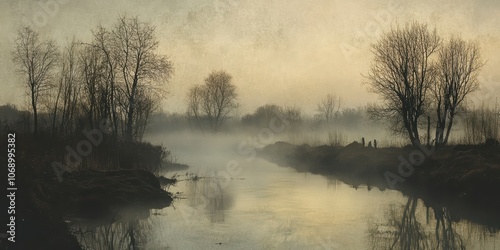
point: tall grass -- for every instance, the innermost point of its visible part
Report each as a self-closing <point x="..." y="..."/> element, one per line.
<point x="337" y="138"/>
<point x="332" y="137"/>
<point x="482" y="124"/>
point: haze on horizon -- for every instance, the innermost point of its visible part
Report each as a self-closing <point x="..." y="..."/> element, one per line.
<point x="284" y="52"/>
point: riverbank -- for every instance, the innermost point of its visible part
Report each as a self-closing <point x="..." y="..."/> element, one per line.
<point x="116" y="178"/>
<point x="464" y="177"/>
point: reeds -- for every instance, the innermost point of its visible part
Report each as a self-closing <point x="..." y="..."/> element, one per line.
<point x="482" y="124"/>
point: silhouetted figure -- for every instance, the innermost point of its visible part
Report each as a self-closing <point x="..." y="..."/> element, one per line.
<point x="370" y="144"/>
<point x="363" y="141"/>
<point x="375" y="143"/>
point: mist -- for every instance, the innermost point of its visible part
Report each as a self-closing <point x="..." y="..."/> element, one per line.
<point x="300" y="49"/>
<point x="250" y="124"/>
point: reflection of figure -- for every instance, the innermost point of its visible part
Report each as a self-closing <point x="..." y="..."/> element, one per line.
<point x="370" y="144"/>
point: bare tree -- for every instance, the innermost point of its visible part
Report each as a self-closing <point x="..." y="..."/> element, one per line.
<point x="67" y="92"/>
<point x="194" y="99"/>
<point x="96" y="94"/>
<point x="402" y="74"/>
<point x="103" y="42"/>
<point x="328" y="107"/>
<point x="135" y="51"/>
<point x="216" y="99"/>
<point x="458" y="66"/>
<point x="36" y="60"/>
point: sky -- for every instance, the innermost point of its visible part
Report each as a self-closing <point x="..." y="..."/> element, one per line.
<point x="287" y="52"/>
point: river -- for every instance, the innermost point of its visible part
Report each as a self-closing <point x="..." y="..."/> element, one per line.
<point x="255" y="204"/>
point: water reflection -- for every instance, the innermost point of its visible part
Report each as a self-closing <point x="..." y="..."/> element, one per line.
<point x="446" y="235"/>
<point x="402" y="228"/>
<point x="212" y="194"/>
<point x="129" y="234"/>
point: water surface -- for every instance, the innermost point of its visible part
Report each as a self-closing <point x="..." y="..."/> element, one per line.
<point x="265" y="206"/>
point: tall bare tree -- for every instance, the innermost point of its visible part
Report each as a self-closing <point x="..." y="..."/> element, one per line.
<point x="104" y="43"/>
<point x="68" y="90"/>
<point x="96" y="91"/>
<point x="217" y="98"/>
<point x="37" y="60"/>
<point x="458" y="66"/>
<point x="402" y="75"/>
<point x="194" y="99"/>
<point x="135" y="50"/>
<point x="328" y="107"/>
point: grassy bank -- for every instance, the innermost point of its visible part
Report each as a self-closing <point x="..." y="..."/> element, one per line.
<point x="464" y="178"/>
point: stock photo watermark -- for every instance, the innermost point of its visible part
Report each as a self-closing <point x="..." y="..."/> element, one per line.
<point x="47" y="9"/>
<point x="380" y="21"/>
<point x="406" y="166"/>
<point x="11" y="189"/>
<point x="74" y="156"/>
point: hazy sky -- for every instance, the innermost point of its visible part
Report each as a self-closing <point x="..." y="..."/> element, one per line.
<point x="287" y="52"/>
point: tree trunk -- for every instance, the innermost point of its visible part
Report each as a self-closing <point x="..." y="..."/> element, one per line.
<point x="130" y="117"/>
<point x="448" y="130"/>
<point x="416" y="139"/>
<point x="35" y="115"/>
<point x="428" y="131"/>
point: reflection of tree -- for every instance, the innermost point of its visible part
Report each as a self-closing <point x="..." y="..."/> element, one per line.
<point x="408" y="233"/>
<point x="446" y="235"/>
<point x="211" y="195"/>
<point x="129" y="234"/>
<point x="402" y="230"/>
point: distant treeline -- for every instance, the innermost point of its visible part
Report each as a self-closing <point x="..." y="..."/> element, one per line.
<point x="262" y="117"/>
<point x="475" y="124"/>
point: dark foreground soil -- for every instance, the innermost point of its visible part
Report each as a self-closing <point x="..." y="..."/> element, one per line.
<point x="83" y="196"/>
<point x="46" y="203"/>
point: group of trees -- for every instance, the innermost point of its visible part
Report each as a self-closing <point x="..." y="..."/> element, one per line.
<point x="263" y="116"/>
<point x="417" y="74"/>
<point x="117" y="77"/>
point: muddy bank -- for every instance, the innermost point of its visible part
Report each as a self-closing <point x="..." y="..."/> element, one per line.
<point x="464" y="178"/>
<point x="83" y="196"/>
<point x="101" y="195"/>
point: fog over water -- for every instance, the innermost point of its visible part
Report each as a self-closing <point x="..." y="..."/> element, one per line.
<point x="265" y="206"/>
<point x="295" y="76"/>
